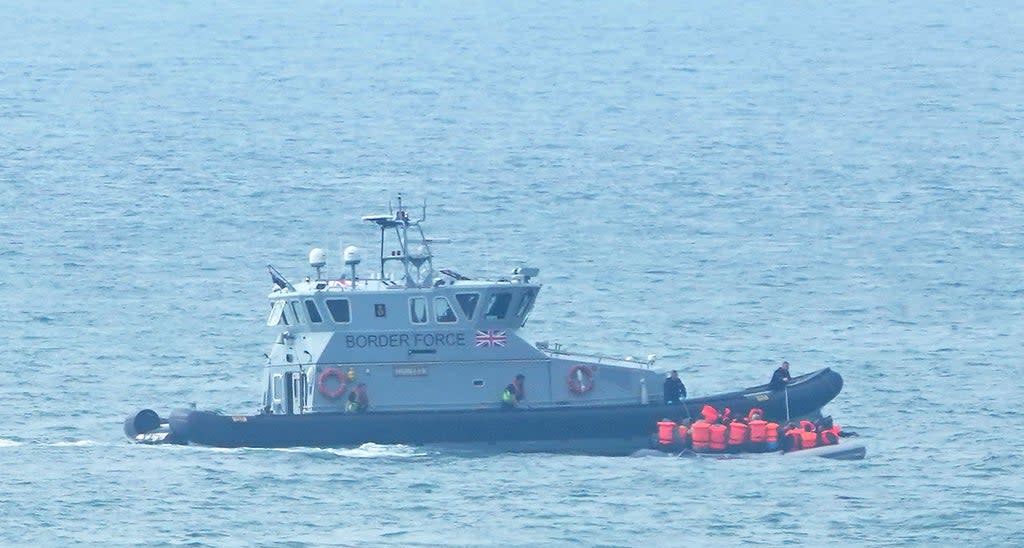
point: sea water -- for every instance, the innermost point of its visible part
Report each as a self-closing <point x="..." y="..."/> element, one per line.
<point x="724" y="185"/>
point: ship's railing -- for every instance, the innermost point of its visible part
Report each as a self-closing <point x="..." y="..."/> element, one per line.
<point x="556" y="349"/>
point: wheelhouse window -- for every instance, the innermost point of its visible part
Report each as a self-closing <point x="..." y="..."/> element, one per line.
<point x="294" y="305"/>
<point x="339" y="310"/>
<point x="443" y="311"/>
<point x="524" y="304"/>
<point x="277" y="394"/>
<point x="313" y="311"/>
<point x="418" y="310"/>
<point x="467" y="302"/>
<point x="276" y="316"/>
<point x="497" y="306"/>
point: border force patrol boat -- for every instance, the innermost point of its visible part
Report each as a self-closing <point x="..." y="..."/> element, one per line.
<point x="412" y="355"/>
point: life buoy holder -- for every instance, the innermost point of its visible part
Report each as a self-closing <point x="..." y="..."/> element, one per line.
<point x="321" y="382"/>
<point x="581" y="379"/>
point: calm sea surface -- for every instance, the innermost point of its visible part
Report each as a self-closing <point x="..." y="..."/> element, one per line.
<point x="724" y="185"/>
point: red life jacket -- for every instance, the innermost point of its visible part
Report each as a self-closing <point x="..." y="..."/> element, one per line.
<point x="753" y="410"/>
<point x="759" y="431"/>
<point x="700" y="433"/>
<point x="717" y="437"/>
<point x="665" y="429"/>
<point x="710" y="413"/>
<point x="737" y="433"/>
<point x="808" y="439"/>
<point x="771" y="432"/>
<point x="682" y="433"/>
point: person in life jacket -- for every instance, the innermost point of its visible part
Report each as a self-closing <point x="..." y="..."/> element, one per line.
<point x="726" y="417"/>
<point x="718" y="437"/>
<point x="683" y="433"/>
<point x="737" y="439"/>
<point x="358" y="400"/>
<point x="666" y="432"/>
<point x="709" y="413"/>
<point x="508" y="397"/>
<point x="700" y="436"/>
<point x="828" y="431"/>
<point x="514" y="392"/>
<point x="808" y="436"/>
<point x="771" y="442"/>
<point x="791" y="439"/>
<point x="758" y="431"/>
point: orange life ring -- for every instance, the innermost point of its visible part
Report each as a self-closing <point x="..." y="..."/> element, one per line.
<point x="581" y="379"/>
<point x="321" y="382"/>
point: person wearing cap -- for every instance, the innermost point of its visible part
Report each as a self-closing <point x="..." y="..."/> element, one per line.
<point x="675" y="390"/>
<point x="781" y="377"/>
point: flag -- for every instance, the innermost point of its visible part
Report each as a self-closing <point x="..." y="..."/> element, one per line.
<point x="490" y="338"/>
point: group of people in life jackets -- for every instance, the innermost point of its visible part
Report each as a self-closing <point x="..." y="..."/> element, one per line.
<point x="719" y="432"/>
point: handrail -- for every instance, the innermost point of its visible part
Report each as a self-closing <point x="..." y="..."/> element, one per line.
<point x="556" y="349"/>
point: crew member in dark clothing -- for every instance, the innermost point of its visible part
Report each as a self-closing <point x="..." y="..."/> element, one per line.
<point x="675" y="390"/>
<point x="520" y="384"/>
<point x="781" y="377"/>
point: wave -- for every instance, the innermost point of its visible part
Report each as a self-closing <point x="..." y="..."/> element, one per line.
<point x="373" y="450"/>
<point x="9" y="443"/>
<point x="75" y="443"/>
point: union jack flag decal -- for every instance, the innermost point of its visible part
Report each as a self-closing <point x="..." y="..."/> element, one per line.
<point x="490" y="338"/>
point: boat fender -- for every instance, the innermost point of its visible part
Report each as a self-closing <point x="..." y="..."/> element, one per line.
<point x="321" y="382"/>
<point x="581" y="379"/>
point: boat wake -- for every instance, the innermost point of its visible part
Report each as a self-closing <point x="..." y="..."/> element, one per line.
<point x="374" y="450"/>
<point x="9" y="443"/>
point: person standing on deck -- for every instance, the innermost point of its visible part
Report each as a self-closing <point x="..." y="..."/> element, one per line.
<point x="781" y="377"/>
<point x="675" y="390"/>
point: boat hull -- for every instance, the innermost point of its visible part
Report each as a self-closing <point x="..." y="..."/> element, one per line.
<point x="619" y="429"/>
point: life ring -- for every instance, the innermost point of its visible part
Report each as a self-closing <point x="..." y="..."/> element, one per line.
<point x="581" y="379"/>
<point x="321" y="382"/>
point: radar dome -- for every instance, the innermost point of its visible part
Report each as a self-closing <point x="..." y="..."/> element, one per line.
<point x="352" y="255"/>
<point x="317" y="258"/>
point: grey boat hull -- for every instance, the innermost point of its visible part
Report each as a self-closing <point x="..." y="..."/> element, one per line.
<point x="612" y="430"/>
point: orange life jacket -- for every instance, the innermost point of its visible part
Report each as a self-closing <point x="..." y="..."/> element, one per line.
<point x="805" y="423"/>
<point x="759" y="431"/>
<point x="710" y="413"/>
<point x="737" y="433"/>
<point x="827" y="437"/>
<point x="700" y="433"/>
<point x="771" y="432"/>
<point x="665" y="429"/>
<point x="753" y="410"/>
<point x="682" y="433"/>
<point x="808" y="439"/>
<point x="717" y="437"/>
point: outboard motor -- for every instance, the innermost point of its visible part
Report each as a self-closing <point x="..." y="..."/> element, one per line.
<point x="142" y="422"/>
